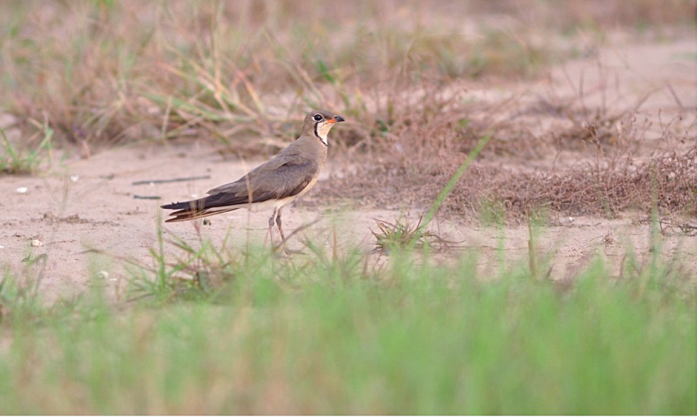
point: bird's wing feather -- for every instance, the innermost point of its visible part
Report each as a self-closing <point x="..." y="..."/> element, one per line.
<point x="270" y="166"/>
<point x="276" y="179"/>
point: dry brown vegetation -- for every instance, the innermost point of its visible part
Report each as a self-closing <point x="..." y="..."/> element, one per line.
<point x="240" y="73"/>
<point x="605" y="179"/>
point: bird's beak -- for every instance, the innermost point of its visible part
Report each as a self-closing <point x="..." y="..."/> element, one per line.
<point x="337" y="119"/>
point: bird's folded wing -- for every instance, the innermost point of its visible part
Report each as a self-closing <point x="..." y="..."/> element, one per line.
<point x="282" y="179"/>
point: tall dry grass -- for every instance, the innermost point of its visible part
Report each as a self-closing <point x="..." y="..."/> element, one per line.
<point x="105" y="71"/>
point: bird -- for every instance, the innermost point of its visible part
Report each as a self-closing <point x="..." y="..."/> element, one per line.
<point x="272" y="185"/>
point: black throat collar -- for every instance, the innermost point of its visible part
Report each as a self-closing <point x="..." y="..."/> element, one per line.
<point x="317" y="135"/>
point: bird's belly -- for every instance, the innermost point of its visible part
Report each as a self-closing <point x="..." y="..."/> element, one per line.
<point x="308" y="187"/>
<point x="270" y="204"/>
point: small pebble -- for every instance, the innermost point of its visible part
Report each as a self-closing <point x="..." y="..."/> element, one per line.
<point x="22" y="190"/>
<point x="36" y="243"/>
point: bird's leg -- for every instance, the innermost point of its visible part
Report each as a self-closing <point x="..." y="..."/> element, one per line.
<point x="279" y="223"/>
<point x="283" y="244"/>
<point x="270" y="225"/>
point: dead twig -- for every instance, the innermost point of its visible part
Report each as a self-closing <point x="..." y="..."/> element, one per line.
<point x="175" y="180"/>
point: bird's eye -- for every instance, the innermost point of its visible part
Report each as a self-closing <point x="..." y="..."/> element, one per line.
<point x="318" y="117"/>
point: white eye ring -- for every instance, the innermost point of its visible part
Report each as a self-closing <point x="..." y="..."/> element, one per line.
<point x="318" y="117"/>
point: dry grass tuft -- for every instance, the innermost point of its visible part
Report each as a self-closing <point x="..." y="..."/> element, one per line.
<point x="400" y="234"/>
<point x="669" y="181"/>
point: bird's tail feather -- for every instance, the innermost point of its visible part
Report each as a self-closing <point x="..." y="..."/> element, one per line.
<point x="178" y="205"/>
<point x="191" y="214"/>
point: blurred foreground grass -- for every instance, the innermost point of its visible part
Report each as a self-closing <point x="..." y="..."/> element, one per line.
<point x="329" y="335"/>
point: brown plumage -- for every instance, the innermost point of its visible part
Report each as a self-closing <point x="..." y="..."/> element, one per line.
<point x="274" y="184"/>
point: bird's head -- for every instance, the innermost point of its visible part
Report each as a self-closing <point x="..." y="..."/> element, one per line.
<point x="318" y="123"/>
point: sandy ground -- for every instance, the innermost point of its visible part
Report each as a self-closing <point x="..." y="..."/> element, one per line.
<point x="90" y="203"/>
